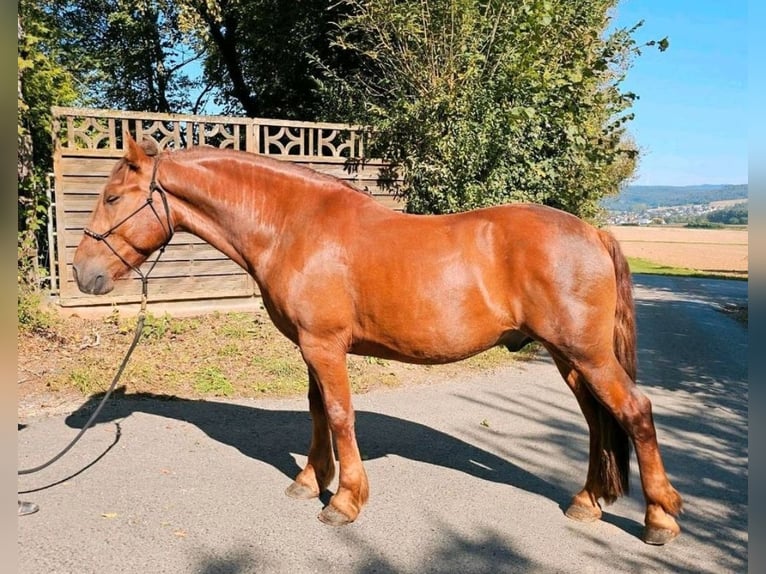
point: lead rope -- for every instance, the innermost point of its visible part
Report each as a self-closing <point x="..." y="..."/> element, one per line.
<point x="153" y="186"/>
<point x="117" y="376"/>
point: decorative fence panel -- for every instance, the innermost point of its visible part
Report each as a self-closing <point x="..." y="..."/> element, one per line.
<point x="88" y="142"/>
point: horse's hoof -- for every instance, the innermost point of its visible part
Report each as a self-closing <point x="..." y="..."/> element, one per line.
<point x="582" y="513"/>
<point x="658" y="536"/>
<point x="300" y="491"/>
<point x="334" y="517"/>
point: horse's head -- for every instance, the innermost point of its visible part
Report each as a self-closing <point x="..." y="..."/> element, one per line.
<point x="131" y="220"/>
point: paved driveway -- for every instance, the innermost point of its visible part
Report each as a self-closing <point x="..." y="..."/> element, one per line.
<point x="468" y="475"/>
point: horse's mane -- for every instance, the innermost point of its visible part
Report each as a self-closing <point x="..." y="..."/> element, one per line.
<point x="270" y="163"/>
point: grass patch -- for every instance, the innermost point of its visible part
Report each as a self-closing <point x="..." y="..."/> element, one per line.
<point x="236" y="325"/>
<point x="34" y="316"/>
<point x="87" y="380"/>
<point x="210" y="380"/>
<point x="229" y="350"/>
<point x="498" y="357"/>
<point x="279" y="374"/>
<point x="216" y="355"/>
<point x="638" y="265"/>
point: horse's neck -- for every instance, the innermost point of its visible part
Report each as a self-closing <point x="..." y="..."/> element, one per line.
<point x="230" y="204"/>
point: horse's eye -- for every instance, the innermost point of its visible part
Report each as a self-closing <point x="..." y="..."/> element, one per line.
<point x="112" y="198"/>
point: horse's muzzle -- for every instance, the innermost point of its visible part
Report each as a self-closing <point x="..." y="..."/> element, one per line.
<point x="92" y="281"/>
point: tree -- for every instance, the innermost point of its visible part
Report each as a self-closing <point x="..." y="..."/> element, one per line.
<point x="42" y="83"/>
<point x="247" y="56"/>
<point x="734" y="215"/>
<point x="474" y="102"/>
<point x="130" y="54"/>
<point x="485" y="102"/>
<point x="262" y="55"/>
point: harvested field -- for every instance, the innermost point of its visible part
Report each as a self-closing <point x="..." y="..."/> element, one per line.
<point x="708" y="250"/>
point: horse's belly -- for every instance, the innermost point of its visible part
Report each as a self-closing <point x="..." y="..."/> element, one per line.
<point x="442" y="338"/>
<point x="422" y="355"/>
<point x="441" y="318"/>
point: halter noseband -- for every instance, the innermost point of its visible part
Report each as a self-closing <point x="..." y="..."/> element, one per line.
<point x="153" y="186"/>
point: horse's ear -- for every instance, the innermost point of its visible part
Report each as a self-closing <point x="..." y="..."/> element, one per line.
<point x="135" y="153"/>
<point x="150" y="147"/>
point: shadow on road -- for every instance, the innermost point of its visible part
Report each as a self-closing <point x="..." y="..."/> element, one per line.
<point x="271" y="435"/>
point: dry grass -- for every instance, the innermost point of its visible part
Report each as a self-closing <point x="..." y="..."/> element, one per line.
<point x="713" y="251"/>
<point x="215" y="355"/>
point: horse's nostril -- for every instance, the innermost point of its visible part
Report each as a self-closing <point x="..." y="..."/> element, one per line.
<point x="89" y="283"/>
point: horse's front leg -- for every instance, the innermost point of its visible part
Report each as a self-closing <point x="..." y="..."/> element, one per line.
<point x="320" y="468"/>
<point x="327" y="363"/>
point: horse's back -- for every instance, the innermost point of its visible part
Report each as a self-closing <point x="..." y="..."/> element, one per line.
<point x="515" y="241"/>
<point x="438" y="288"/>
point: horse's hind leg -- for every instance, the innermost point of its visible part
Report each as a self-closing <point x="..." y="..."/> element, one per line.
<point x="584" y="506"/>
<point x="612" y="386"/>
<point x="320" y="468"/>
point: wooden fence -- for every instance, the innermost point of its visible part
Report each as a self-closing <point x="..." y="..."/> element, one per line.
<point x="87" y="143"/>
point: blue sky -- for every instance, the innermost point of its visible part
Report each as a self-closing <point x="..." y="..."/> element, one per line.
<point x="691" y="118"/>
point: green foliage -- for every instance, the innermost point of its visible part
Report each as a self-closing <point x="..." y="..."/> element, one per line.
<point x="287" y="371"/>
<point x="32" y="214"/>
<point x="734" y="215"/>
<point x="42" y="82"/>
<point x="476" y="102"/>
<point x="210" y="380"/>
<point x="33" y="316"/>
<point x="702" y="223"/>
<point x="261" y="55"/>
<point x="639" y="265"/>
<point x="251" y="56"/>
<point x="239" y="326"/>
<point x="155" y="328"/>
<point x="129" y="54"/>
<point x="87" y="378"/>
<point x="485" y="102"/>
<point x="638" y="198"/>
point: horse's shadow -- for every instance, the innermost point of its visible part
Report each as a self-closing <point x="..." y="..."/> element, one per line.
<point x="271" y="435"/>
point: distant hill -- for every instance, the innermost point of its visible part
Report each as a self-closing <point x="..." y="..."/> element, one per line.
<point x="641" y="197"/>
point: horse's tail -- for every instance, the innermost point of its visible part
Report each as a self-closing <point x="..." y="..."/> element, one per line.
<point x="615" y="443"/>
<point x="625" y="314"/>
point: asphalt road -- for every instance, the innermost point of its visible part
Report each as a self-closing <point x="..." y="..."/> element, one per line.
<point x="468" y="476"/>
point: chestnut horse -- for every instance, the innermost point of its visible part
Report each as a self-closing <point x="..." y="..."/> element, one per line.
<point x="339" y="273"/>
